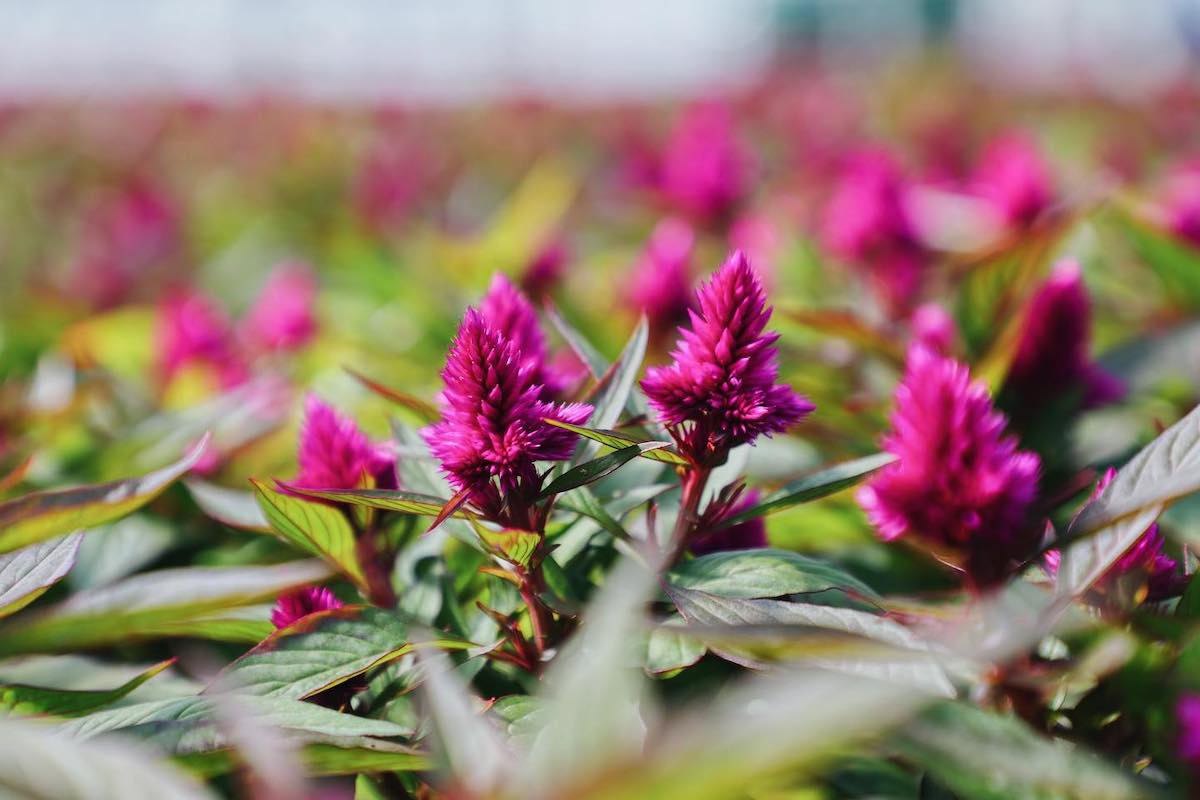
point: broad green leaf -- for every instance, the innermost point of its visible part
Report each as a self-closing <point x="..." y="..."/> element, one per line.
<point x="24" y="699"/>
<point x="45" y="515"/>
<point x="511" y="544"/>
<point x="119" y="549"/>
<point x="813" y="487"/>
<point x="981" y="755"/>
<point x="670" y="648"/>
<point x="596" y="469"/>
<point x="236" y="508"/>
<point x="1165" y="470"/>
<point x="135" y="608"/>
<point x="619" y="379"/>
<point x="618" y="441"/>
<point x="581" y="500"/>
<point x="27" y="573"/>
<point x="386" y="499"/>
<point x="245" y="625"/>
<point x="322" y="759"/>
<point x="323" y="650"/>
<point x="523" y="715"/>
<point x="764" y="573"/>
<point x="318" y="529"/>
<point x="38" y="763"/>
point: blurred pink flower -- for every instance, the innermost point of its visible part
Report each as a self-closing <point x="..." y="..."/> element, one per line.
<point x="934" y="328"/>
<point x="298" y="604"/>
<point x="1187" y="718"/>
<point x="282" y="317"/>
<point x="1180" y="210"/>
<point x="1014" y="179"/>
<point x="390" y="183"/>
<point x="659" y="285"/>
<point x="334" y="453"/>
<point x="705" y="171"/>
<point x="192" y="329"/>
<point x="545" y="270"/>
<point x="721" y="391"/>
<point x="959" y="481"/>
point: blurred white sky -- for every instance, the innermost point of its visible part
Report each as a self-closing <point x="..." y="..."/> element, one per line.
<point x="457" y="51"/>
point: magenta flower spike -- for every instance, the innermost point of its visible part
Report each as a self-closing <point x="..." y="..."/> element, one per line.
<point x="492" y="431"/>
<point x="282" y="318"/>
<point x="1180" y="211"/>
<point x="743" y="536"/>
<point x="335" y="454"/>
<point x="298" y="604"/>
<point x="1014" y="179"/>
<point x="1052" y="355"/>
<point x="508" y="311"/>
<point x="959" y="483"/>
<point x="1187" y="720"/>
<point x="934" y="328"/>
<point x="705" y="170"/>
<point x="720" y="391"/>
<point x="545" y="270"/>
<point x="661" y="287"/>
<point x="192" y="329"/>
<point x="1144" y="560"/>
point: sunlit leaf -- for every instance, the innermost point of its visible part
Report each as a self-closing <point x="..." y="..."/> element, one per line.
<point x="592" y="471"/>
<point x="669" y="648"/>
<point x="44" y="515"/>
<point x="764" y="572"/>
<point x="619" y="441"/>
<point x="316" y="528"/>
<point x="25" y="699"/>
<point x="236" y="508"/>
<point x="322" y="759"/>
<point x="815" y="486"/>
<point x="511" y="544"/>
<point x="386" y="499"/>
<point x="27" y="573"/>
<point x="137" y="607"/>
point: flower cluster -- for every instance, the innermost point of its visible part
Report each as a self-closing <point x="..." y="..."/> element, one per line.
<point x="720" y="390"/>
<point x="661" y="287"/>
<point x="509" y="312"/>
<point x="1014" y="180"/>
<point x="492" y="431"/>
<point x="298" y="604"/>
<point x="705" y="171"/>
<point x="335" y="454"/>
<point x="959" y="482"/>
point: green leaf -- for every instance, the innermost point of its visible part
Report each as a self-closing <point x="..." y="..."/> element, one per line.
<point x="813" y="487"/>
<point x="619" y="441"/>
<point x="523" y="715"/>
<point x="511" y="544"/>
<point x="985" y="756"/>
<point x="27" y="573"/>
<point x="236" y="508"/>
<point x="315" y="528"/>
<point x="24" y="699"/>
<point x="670" y="648"/>
<point x="386" y="499"/>
<point x="248" y="625"/>
<point x="596" y="363"/>
<point x="619" y="379"/>
<point x="37" y="763"/>
<point x="135" y="608"/>
<point x="322" y="759"/>
<point x="1165" y="470"/>
<point x="582" y="501"/>
<point x="596" y="469"/>
<point x="764" y="573"/>
<point x="1176" y="262"/>
<point x="425" y="410"/>
<point x="45" y="515"/>
<point x="323" y="650"/>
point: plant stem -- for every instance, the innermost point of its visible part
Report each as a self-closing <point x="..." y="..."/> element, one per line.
<point x="531" y="584"/>
<point x="694" y="482"/>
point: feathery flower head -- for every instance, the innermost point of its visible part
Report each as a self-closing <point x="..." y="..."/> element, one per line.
<point x="721" y="385"/>
<point x="282" y="318"/>
<point x="335" y="454"/>
<point x="661" y="288"/>
<point x="192" y="329"/>
<point x="705" y="170"/>
<point x="960" y="482"/>
<point x="1014" y="179"/>
<point x="1187" y="720"/>
<point x="297" y="604"/>
<point x="1144" y="560"/>
<point x="510" y="313"/>
<point x="867" y="222"/>
<point x="492" y="429"/>
<point x="1052" y="355"/>
<point x="743" y="536"/>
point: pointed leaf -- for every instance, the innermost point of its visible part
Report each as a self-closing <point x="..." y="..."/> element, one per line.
<point x="813" y="487"/>
<point x="764" y="572"/>
<point x="27" y="573"/>
<point x="322" y="759"/>
<point x="44" y="515"/>
<point x="236" y="508"/>
<point x="594" y="470"/>
<point x="316" y="528"/>
<point x="618" y="380"/>
<point x="618" y="441"/>
<point x="24" y="699"/>
<point x="422" y="408"/>
<point x="386" y="499"/>
<point x="452" y="505"/>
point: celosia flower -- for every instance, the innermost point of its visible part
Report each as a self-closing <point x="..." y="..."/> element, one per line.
<point x="1187" y="719"/>
<point x="1181" y="208"/>
<point x="1144" y="561"/>
<point x="705" y="171"/>
<point x="660" y="286"/>
<point x="335" y="454"/>
<point x="391" y="181"/>
<point x="743" y="536"/>
<point x="298" y="604"/>
<point x="506" y="310"/>
<point x="282" y="318"/>
<point x="934" y="328"/>
<point x="545" y="269"/>
<point x="1052" y="355"/>
<point x="492" y="431"/>
<point x="959" y="482"/>
<point x="867" y="223"/>
<point x="1014" y="179"/>
<point x="720" y="391"/>
<point x="194" y="330"/>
